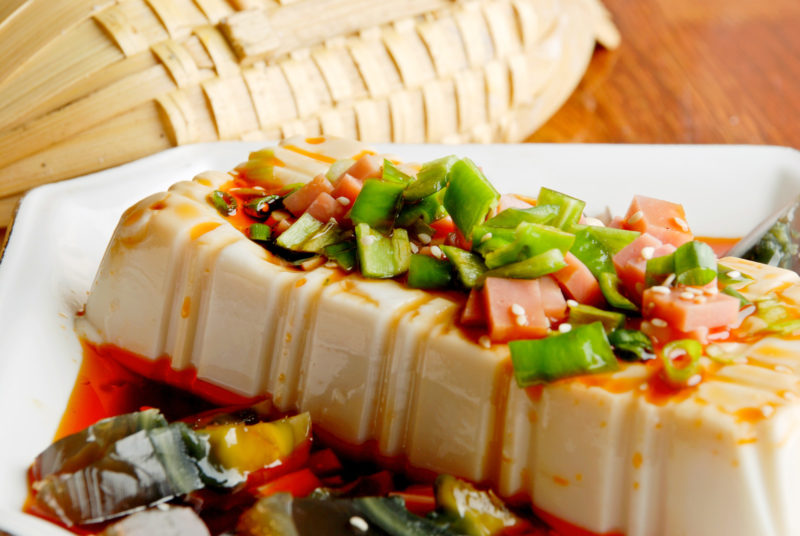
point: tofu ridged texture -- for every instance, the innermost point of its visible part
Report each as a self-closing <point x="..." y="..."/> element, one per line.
<point x="377" y="363"/>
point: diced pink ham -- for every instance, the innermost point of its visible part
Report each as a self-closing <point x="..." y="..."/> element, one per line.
<point x="298" y="202"/>
<point x="686" y="313"/>
<point x="514" y="309"/>
<point x="579" y="283"/>
<point x="661" y="219"/>
<point x="369" y="166"/>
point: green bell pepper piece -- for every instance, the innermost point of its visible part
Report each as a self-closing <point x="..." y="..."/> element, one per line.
<point x="591" y="252"/>
<point x="469" y="266"/>
<point x="380" y="256"/>
<point x="390" y="173"/>
<point x="631" y="345"/>
<point x="695" y="264"/>
<point x="569" y="208"/>
<point x="586" y="314"/>
<point x="428" y="273"/>
<point x="469" y="196"/>
<point x="511" y="217"/>
<point x="530" y="239"/>
<point x="377" y="204"/>
<point x="542" y="264"/>
<point x="343" y="254"/>
<point x="610" y="286"/>
<point x="582" y="350"/>
<point x="431" y="178"/>
<point x="301" y="230"/>
<point x="428" y="209"/>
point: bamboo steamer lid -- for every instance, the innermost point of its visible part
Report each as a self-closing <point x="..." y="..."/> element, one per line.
<point x="90" y="84"/>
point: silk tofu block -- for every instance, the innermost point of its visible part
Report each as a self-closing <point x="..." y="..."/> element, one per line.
<point x="377" y="363"/>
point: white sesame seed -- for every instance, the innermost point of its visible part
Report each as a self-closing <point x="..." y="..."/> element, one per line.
<point x="659" y="322"/>
<point x="720" y="335"/>
<point x="424" y="238"/>
<point x="647" y="252"/>
<point x="486" y="237"/>
<point x="783" y="369"/>
<point x="710" y="291"/>
<point x="694" y="380"/>
<point x="668" y="281"/>
<point x="636" y="216"/>
<point x="359" y="523"/>
<point x="485" y="341"/>
<point x="694" y="290"/>
<point x="368" y="240"/>
<point x="414" y="248"/>
<point x="700" y="299"/>
<point x="565" y="327"/>
<point x="344" y="201"/>
<point x="643" y="387"/>
<point x="734" y="274"/>
<point x="660" y="289"/>
<point x="595" y="222"/>
<point x="767" y="411"/>
<point x="572" y="303"/>
<point x="521" y="320"/>
<point x="681" y="223"/>
<point x="517" y="309"/>
<point x="436" y="251"/>
<point x="331" y="264"/>
<point x="686" y="295"/>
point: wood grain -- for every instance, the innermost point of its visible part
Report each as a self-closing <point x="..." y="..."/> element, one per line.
<point x="714" y="71"/>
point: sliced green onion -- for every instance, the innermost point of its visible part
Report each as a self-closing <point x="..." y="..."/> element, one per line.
<point x="343" y="254"/>
<point x="785" y="327"/>
<point x="631" y="344"/>
<point x="377" y="204"/>
<point x="569" y="208"/>
<point x="391" y="173"/>
<point x="301" y="230"/>
<point x="582" y="350"/>
<point x="695" y="264"/>
<point x="610" y="286"/>
<point x="431" y="178"/>
<point x="223" y="202"/>
<point x="259" y="231"/>
<point x="469" y="196"/>
<point x="729" y="276"/>
<point x="260" y="207"/>
<point x="542" y="264"/>
<point x="586" y="314"/>
<point x="730" y="291"/>
<point x="339" y="168"/>
<point x="679" y="376"/>
<point x="329" y="234"/>
<point x="428" y="273"/>
<point x="469" y="266"/>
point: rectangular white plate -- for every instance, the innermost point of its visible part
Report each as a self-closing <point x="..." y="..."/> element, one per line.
<point x="61" y="230"/>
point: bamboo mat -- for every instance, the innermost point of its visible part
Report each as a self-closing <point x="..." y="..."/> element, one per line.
<point x="90" y="84"/>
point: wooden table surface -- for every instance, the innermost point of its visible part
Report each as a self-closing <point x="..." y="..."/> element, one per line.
<point x="690" y="71"/>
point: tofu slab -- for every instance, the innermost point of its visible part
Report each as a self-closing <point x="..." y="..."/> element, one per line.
<point x="373" y="361"/>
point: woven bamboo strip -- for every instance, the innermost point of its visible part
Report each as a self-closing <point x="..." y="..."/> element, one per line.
<point x="129" y="136"/>
<point x="463" y="71"/>
<point x="11" y="8"/>
<point x="19" y="43"/>
<point x="298" y="25"/>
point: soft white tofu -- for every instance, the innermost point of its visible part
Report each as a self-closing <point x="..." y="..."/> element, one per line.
<point x="374" y="362"/>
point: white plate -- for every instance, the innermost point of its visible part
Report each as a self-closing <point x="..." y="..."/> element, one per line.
<point x="61" y="231"/>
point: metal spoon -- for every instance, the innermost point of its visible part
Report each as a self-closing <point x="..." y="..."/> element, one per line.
<point x="774" y="241"/>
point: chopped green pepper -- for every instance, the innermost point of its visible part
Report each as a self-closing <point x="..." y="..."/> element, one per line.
<point x="631" y="344"/>
<point x="380" y="256"/>
<point x="658" y="269"/>
<point x="431" y="178"/>
<point x="530" y="239"/>
<point x="377" y="204"/>
<point x="582" y="350"/>
<point x="592" y="252"/>
<point x="586" y="314"/>
<point x="469" y="266"/>
<point x="428" y="209"/>
<point x="610" y="286"/>
<point x="542" y="264"/>
<point x="260" y="207"/>
<point x="343" y="254"/>
<point x="511" y="217"/>
<point x="612" y="238"/>
<point x="259" y="232"/>
<point x="391" y="173"/>
<point x="428" y="273"/>
<point x="469" y="197"/>
<point x="569" y="208"/>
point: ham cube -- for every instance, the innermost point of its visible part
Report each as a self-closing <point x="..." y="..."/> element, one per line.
<point x="555" y="305"/>
<point x="325" y="207"/>
<point x="579" y="283"/>
<point x="474" y="314"/>
<point x="514" y="309"/>
<point x="347" y="186"/>
<point x="369" y="166"/>
<point x="688" y="311"/>
<point x="662" y="219"/>
<point x="299" y="201"/>
<point x="631" y="262"/>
